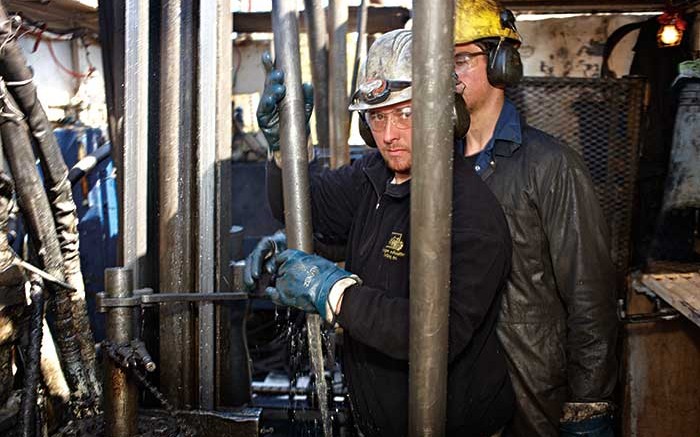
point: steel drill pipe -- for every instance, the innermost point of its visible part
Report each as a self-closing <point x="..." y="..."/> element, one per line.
<point x="121" y="392"/>
<point x="175" y="221"/>
<point x="35" y="208"/>
<point x="18" y="76"/>
<point x="295" y="172"/>
<point x="338" y="83"/>
<point x="431" y="220"/>
<point x="318" y="51"/>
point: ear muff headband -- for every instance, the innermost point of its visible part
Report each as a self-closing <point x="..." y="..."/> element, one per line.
<point x="460" y="115"/>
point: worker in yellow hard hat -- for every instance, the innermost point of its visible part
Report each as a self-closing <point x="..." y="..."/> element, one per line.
<point x="558" y="322"/>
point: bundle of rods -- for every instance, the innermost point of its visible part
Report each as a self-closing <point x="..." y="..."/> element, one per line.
<point x="51" y="220"/>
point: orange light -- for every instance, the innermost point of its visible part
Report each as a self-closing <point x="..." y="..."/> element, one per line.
<point x="671" y="29"/>
<point x="669" y="35"/>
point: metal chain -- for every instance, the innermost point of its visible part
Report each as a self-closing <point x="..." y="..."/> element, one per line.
<point x="128" y="363"/>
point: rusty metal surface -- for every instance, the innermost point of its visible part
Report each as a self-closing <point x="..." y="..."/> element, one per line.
<point x="601" y="119"/>
<point x="680" y="290"/>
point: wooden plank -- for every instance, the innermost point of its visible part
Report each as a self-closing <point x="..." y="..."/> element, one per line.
<point x="379" y="20"/>
<point x="680" y="291"/>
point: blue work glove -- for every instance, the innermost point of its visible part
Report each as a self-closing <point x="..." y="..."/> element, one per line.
<point x="304" y="281"/>
<point x="598" y="426"/>
<point x="263" y="256"/>
<point x="268" y="109"/>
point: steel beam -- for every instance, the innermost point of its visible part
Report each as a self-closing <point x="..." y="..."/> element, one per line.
<point x="206" y="162"/>
<point x="338" y="83"/>
<point x="318" y="51"/>
<point x="431" y="204"/>
<point x="133" y="174"/>
<point x="175" y="223"/>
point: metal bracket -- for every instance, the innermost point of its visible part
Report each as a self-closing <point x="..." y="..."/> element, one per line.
<point x="661" y="313"/>
<point x="146" y="297"/>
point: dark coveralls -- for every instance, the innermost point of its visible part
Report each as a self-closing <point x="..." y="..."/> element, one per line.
<point x="558" y="323"/>
<point x="357" y="205"/>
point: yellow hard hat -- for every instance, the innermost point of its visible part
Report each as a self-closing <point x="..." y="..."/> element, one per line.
<point x="477" y="19"/>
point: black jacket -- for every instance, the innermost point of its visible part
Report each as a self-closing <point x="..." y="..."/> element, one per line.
<point x="558" y="323"/>
<point x="357" y="205"/>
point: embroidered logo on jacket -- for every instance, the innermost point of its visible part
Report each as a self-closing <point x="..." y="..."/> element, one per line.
<point x="393" y="249"/>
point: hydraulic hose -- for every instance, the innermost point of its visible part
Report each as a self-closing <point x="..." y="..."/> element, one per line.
<point x="18" y="77"/>
<point x="34" y="204"/>
<point x="87" y="164"/>
<point x="32" y="371"/>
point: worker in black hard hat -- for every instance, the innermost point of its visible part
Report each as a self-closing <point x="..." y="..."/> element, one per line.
<point x="366" y="206"/>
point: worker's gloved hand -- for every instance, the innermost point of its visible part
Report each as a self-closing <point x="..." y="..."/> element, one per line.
<point x="268" y="109"/>
<point x="263" y="256"/>
<point x="587" y="420"/>
<point x="304" y="281"/>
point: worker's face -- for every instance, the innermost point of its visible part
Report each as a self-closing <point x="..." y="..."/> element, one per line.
<point x="473" y="83"/>
<point x="391" y="129"/>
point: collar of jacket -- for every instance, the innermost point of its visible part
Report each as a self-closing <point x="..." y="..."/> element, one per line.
<point x="507" y="138"/>
<point x="380" y="177"/>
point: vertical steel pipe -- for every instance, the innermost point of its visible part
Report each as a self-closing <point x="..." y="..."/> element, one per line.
<point x="120" y="389"/>
<point x="295" y="173"/>
<point x="431" y="203"/>
<point x="206" y="158"/>
<point x="338" y="83"/>
<point x="133" y="173"/>
<point x="361" y="46"/>
<point x="177" y="335"/>
<point x="318" y="49"/>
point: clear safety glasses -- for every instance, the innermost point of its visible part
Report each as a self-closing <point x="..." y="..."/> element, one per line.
<point x="466" y="61"/>
<point x="400" y="118"/>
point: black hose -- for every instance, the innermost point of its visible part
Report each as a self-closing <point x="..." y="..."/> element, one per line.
<point x="34" y="204"/>
<point x="32" y="364"/>
<point x="19" y="78"/>
<point x="87" y="164"/>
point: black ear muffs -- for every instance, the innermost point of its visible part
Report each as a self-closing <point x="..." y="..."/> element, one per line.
<point x="505" y="67"/>
<point x="460" y="117"/>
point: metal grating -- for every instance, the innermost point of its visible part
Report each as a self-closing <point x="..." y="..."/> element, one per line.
<point x="601" y="119"/>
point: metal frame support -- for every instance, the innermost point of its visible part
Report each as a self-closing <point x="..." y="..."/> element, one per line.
<point x="120" y="390"/>
<point x="206" y="161"/>
<point x="133" y="174"/>
<point x="175" y="201"/>
<point x="338" y="83"/>
<point x="318" y="51"/>
<point x="431" y="204"/>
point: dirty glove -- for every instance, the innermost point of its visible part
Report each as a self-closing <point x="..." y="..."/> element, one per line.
<point x="304" y="281"/>
<point x="263" y="256"/>
<point x="268" y="109"/>
<point x="582" y="419"/>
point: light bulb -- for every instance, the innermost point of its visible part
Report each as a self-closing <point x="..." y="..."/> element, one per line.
<point x="670" y="36"/>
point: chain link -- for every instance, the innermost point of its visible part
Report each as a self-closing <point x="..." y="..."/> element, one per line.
<point x="128" y="362"/>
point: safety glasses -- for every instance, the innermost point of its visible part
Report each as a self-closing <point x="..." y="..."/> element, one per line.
<point x="466" y="61"/>
<point x="399" y="118"/>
